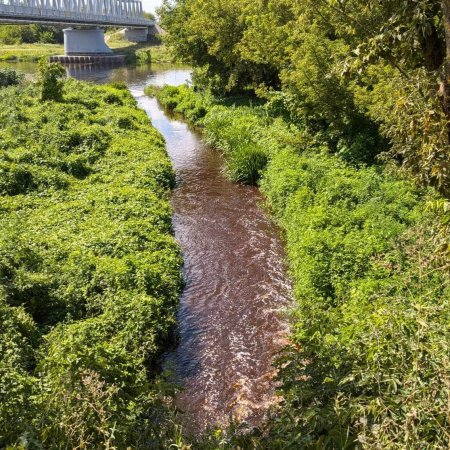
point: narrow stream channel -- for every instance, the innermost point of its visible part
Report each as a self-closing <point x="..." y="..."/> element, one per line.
<point x="229" y="318"/>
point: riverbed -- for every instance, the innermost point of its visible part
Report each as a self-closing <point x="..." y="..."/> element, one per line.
<point x="230" y="317"/>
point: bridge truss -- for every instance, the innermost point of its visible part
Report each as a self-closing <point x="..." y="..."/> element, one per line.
<point x="75" y="12"/>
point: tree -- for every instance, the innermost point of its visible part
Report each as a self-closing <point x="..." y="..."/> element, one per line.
<point x="357" y="73"/>
<point x="50" y="79"/>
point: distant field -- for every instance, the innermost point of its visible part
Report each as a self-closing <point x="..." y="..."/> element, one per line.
<point x="144" y="53"/>
<point x="29" y="52"/>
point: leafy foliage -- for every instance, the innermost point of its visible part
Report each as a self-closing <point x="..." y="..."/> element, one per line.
<point x="22" y="34"/>
<point x="10" y="77"/>
<point x="368" y="361"/>
<point x="366" y="77"/>
<point x="49" y="77"/>
<point x="369" y="357"/>
<point x="89" y="271"/>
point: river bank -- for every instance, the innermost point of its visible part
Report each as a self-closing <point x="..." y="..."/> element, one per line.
<point x="90" y="274"/>
<point x="360" y="249"/>
<point x="141" y="53"/>
<point x="229" y="318"/>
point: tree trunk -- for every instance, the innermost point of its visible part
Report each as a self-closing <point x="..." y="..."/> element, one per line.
<point x="445" y="88"/>
<point x="433" y="50"/>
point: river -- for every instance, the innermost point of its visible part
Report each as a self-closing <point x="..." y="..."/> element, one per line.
<point x="230" y="320"/>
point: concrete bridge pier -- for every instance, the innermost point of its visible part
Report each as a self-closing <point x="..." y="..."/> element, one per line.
<point x="85" y="42"/>
<point x="136" y="34"/>
<point x="86" y="46"/>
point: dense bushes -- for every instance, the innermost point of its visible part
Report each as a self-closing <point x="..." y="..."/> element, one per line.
<point x="26" y="34"/>
<point x="9" y="77"/>
<point x="359" y="74"/>
<point x="370" y="355"/>
<point x="49" y="76"/>
<point x="368" y="362"/>
<point x="89" y="270"/>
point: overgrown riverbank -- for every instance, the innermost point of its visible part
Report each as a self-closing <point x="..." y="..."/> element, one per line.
<point x="89" y="270"/>
<point x="369" y="358"/>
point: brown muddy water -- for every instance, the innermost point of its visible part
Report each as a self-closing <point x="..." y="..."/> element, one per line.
<point x="230" y="321"/>
<point x="229" y="318"/>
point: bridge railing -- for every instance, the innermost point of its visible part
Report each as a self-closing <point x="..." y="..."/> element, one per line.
<point x="121" y="12"/>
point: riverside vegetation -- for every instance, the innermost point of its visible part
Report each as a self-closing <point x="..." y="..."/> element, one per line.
<point x="89" y="270"/>
<point x="339" y="112"/>
<point x="134" y="53"/>
<point x="369" y="345"/>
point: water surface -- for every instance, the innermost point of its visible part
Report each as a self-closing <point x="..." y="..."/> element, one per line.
<point x="229" y="318"/>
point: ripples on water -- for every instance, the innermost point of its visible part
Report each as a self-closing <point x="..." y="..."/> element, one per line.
<point x="229" y="316"/>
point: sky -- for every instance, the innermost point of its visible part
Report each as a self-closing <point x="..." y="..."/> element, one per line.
<point x="150" y="5"/>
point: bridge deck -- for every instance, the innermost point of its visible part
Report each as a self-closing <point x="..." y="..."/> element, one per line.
<point x="75" y="12"/>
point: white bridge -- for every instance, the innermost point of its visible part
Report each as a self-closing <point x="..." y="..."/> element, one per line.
<point x="75" y="12"/>
<point x="88" y="14"/>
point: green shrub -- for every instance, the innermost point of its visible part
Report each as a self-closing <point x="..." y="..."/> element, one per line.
<point x="246" y="164"/>
<point x="181" y="100"/>
<point x="168" y="96"/>
<point x="112" y="99"/>
<point x="366" y="289"/>
<point x="144" y="56"/>
<point x="119" y="86"/>
<point x="49" y="77"/>
<point x="10" y="77"/>
<point x="46" y="37"/>
<point x="18" y="336"/>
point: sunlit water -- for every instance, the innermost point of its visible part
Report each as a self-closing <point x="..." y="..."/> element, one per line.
<point x="230" y="326"/>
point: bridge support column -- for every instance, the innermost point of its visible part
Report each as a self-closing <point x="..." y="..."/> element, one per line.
<point x="136" y="34"/>
<point x="87" y="42"/>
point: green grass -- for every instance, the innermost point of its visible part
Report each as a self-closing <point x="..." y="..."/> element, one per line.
<point x="144" y="53"/>
<point x="89" y="270"/>
<point x="141" y="53"/>
<point x="244" y="159"/>
<point x="29" y="52"/>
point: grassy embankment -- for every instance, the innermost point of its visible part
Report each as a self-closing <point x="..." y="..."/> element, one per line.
<point x="370" y="343"/>
<point x="29" y="52"/>
<point x="141" y="53"/>
<point x="89" y="270"/>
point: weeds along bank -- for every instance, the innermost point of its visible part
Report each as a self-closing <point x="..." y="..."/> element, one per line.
<point x="89" y="269"/>
<point x="368" y="364"/>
